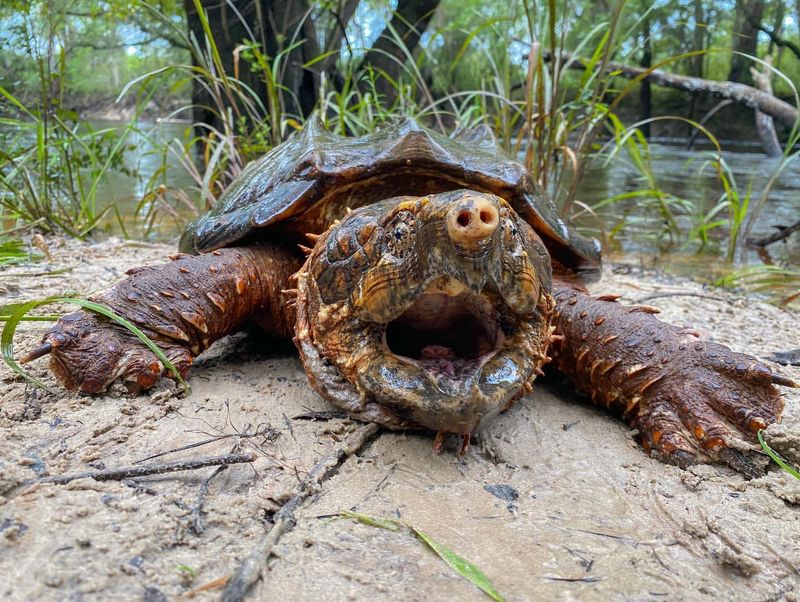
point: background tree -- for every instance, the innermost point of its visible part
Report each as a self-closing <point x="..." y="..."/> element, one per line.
<point x="744" y="38"/>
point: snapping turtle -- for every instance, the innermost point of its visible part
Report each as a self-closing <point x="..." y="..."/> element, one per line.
<point x="433" y="282"/>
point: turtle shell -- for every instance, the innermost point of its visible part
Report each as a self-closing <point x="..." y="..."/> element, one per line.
<point x="310" y="180"/>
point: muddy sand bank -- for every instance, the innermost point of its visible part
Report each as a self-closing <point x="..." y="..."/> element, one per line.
<point x="555" y="499"/>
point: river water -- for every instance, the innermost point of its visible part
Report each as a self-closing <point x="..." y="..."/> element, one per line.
<point x="633" y="229"/>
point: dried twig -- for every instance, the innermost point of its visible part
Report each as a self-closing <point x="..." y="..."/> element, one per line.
<point x="783" y="232"/>
<point x="255" y="563"/>
<point x="265" y="430"/>
<point x="197" y="520"/>
<point x="129" y="472"/>
<point x="678" y="294"/>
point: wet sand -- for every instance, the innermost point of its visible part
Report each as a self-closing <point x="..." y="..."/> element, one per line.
<point x="555" y="499"/>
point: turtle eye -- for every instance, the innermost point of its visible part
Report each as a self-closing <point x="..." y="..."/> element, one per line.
<point x="401" y="233"/>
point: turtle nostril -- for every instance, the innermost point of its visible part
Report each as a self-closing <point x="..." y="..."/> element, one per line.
<point x="473" y="219"/>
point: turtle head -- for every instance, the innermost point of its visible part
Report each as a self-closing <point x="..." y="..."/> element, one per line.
<point x="426" y="311"/>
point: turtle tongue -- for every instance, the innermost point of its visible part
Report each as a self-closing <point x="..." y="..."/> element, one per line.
<point x="452" y="375"/>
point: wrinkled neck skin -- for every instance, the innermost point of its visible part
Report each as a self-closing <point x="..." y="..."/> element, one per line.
<point x="430" y="312"/>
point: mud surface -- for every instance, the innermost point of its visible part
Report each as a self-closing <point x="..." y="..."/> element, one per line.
<point x="555" y="500"/>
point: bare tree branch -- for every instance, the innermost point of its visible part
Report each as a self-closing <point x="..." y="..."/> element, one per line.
<point x="741" y="93"/>
<point x="777" y="40"/>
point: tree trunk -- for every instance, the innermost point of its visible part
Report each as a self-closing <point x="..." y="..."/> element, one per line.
<point x="397" y="41"/>
<point x="698" y="39"/>
<point x="777" y="29"/>
<point x="228" y="32"/>
<point x="275" y="25"/>
<point x="697" y="63"/>
<point x="745" y="38"/>
<point x="645" y="94"/>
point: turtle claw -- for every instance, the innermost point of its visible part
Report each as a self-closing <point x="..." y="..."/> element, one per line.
<point x="681" y="458"/>
<point x="438" y="444"/>
<point x="739" y="462"/>
<point x="88" y="353"/>
<point x="777" y="379"/>
<point x="35" y="354"/>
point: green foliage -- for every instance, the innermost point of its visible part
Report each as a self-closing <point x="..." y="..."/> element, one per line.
<point x="779" y="282"/>
<point x="505" y="65"/>
<point x="776" y="458"/>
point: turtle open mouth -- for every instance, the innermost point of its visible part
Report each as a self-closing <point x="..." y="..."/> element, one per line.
<point x="448" y="332"/>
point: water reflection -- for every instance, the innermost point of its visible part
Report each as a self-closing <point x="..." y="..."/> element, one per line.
<point x="148" y="158"/>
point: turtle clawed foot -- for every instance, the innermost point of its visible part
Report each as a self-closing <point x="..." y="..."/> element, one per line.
<point x="711" y="408"/>
<point x="88" y="353"/>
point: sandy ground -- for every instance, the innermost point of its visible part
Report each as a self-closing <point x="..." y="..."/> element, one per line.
<point x="556" y="500"/>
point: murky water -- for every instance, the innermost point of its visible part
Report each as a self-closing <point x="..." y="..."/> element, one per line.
<point x="634" y="228"/>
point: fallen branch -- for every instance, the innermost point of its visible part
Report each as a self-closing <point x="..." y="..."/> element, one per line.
<point x="255" y="563"/>
<point x="197" y="518"/>
<point x="129" y="472"/>
<point x="741" y="93"/>
<point x="783" y="232"/>
<point x="764" y="123"/>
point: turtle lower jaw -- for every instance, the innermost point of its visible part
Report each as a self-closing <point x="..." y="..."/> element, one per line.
<point x="448" y="334"/>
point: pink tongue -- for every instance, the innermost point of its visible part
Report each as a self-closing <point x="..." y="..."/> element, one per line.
<point x="439" y="356"/>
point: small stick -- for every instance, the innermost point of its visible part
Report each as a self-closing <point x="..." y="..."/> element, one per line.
<point x="678" y="294"/>
<point x="197" y="520"/>
<point x="783" y="232"/>
<point x="255" y="563"/>
<point x="128" y="472"/>
<point x="265" y="430"/>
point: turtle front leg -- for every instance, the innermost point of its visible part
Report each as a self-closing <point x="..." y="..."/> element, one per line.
<point x="183" y="306"/>
<point x="688" y="398"/>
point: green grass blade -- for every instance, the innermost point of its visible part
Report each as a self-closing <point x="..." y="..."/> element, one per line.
<point x="105" y="311"/>
<point x="775" y="457"/>
<point x="372" y="521"/>
<point x="16" y="315"/>
<point x="462" y="566"/>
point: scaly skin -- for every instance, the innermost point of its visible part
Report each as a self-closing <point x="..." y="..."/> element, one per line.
<point x="686" y="397"/>
<point x="183" y="306"/>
